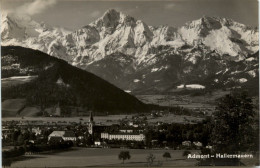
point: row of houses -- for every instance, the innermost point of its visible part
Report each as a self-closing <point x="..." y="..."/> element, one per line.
<point x="123" y="136"/>
<point x="70" y="136"/>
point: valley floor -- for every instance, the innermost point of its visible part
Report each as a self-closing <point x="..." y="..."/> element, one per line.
<point x="110" y="119"/>
<point x="88" y="157"/>
<point x="100" y="157"/>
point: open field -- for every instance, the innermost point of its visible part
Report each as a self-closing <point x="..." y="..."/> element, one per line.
<point x="171" y="118"/>
<point x="110" y="119"/>
<point x="16" y="80"/>
<point x="11" y="107"/>
<point x="29" y="112"/>
<point x="84" y="157"/>
<point x="204" y="101"/>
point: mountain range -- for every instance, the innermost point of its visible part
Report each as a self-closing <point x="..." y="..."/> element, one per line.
<point x="210" y="52"/>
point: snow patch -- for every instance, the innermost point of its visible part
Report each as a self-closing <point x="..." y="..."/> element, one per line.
<point x="225" y="71"/>
<point x="242" y="80"/>
<point x="61" y="83"/>
<point x="21" y="78"/>
<point x="191" y="86"/>
<point x="158" y="69"/>
<point x="235" y="72"/>
<point x="218" y="72"/>
<point x="48" y="66"/>
<point x="136" y="80"/>
<point x="128" y="91"/>
<point x="154" y="69"/>
<point x="252" y="73"/>
<point x="250" y="59"/>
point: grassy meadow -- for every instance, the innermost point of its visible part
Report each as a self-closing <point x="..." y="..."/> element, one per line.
<point x="88" y="157"/>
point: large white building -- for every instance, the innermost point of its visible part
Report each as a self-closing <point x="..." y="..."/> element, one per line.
<point x="65" y="135"/>
<point x="121" y="136"/>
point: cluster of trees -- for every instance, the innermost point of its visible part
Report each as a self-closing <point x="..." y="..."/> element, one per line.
<point x="17" y="137"/>
<point x="59" y="145"/>
<point x="125" y="155"/>
<point x="42" y="94"/>
<point x="235" y="129"/>
<point x="83" y="88"/>
<point x="13" y="152"/>
<point x="172" y="135"/>
<point x="10" y="155"/>
<point x="125" y="143"/>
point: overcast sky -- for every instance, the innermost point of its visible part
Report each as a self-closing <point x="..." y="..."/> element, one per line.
<point x="74" y="14"/>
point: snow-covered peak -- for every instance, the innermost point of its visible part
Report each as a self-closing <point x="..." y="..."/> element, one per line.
<point x="222" y="35"/>
<point x="109" y="19"/>
<point x="117" y="32"/>
<point x="12" y="23"/>
<point x="113" y="18"/>
<point x="205" y="22"/>
<point x="17" y="26"/>
<point x="22" y="30"/>
<point x="166" y="35"/>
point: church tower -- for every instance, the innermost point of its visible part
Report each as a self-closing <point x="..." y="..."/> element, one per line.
<point x="91" y="124"/>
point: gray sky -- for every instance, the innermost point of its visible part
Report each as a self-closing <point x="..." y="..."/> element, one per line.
<point x="74" y="14"/>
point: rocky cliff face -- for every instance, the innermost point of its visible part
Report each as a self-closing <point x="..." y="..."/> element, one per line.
<point x="133" y="55"/>
<point x="117" y="32"/>
<point x="23" y="31"/>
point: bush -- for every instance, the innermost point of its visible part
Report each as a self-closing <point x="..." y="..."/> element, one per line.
<point x="167" y="155"/>
<point x="13" y="153"/>
<point x="186" y="152"/>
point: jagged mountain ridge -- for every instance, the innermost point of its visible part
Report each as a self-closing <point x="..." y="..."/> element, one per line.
<point x="170" y="68"/>
<point x="135" y="56"/>
<point x="21" y="30"/>
<point x="117" y="32"/>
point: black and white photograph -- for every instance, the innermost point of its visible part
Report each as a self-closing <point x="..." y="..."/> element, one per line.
<point x="129" y="83"/>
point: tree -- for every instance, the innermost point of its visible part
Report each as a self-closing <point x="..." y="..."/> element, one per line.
<point x="15" y="135"/>
<point x="20" y="139"/>
<point x="233" y="119"/>
<point x="6" y="162"/>
<point x="21" y="151"/>
<point x="150" y="158"/>
<point x="167" y="155"/>
<point x="90" y="140"/>
<point x="232" y="130"/>
<point x="124" y="155"/>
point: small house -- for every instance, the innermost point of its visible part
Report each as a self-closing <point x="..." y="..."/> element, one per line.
<point x="186" y="143"/>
